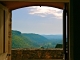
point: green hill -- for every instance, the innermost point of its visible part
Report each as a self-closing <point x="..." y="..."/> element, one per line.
<point x="32" y="40"/>
<point x="19" y="41"/>
<point x="36" y="38"/>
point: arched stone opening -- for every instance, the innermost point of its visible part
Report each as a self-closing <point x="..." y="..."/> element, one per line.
<point x="7" y="6"/>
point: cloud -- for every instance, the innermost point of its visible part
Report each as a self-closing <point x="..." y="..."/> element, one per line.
<point x="44" y="11"/>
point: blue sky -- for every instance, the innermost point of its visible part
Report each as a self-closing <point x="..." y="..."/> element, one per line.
<point x="36" y="19"/>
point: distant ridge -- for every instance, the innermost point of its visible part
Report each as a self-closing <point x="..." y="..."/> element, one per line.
<point x="39" y="39"/>
<point x="53" y="36"/>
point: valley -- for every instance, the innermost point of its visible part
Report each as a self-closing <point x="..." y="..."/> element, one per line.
<point x="32" y="40"/>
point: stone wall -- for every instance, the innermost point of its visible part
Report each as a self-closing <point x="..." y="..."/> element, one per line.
<point x="36" y="54"/>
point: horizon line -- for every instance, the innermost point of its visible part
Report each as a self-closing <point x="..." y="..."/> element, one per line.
<point x="37" y="33"/>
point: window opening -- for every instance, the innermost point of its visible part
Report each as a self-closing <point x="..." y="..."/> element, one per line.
<point x="37" y="27"/>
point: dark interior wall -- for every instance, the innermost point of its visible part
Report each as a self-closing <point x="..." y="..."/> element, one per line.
<point x="71" y="34"/>
<point x="75" y="16"/>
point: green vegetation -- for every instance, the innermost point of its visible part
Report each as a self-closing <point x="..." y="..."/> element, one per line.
<point x="36" y="38"/>
<point x="19" y="41"/>
<point x="31" y="40"/>
<point x="59" y="46"/>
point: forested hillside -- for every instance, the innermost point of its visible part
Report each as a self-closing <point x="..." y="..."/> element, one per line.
<point x="36" y="38"/>
<point x="19" y="41"/>
<point x="32" y="40"/>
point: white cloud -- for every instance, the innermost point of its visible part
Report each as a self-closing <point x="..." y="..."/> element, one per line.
<point x="43" y="11"/>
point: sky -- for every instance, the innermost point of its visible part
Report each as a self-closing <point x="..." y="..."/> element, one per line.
<point x="39" y="20"/>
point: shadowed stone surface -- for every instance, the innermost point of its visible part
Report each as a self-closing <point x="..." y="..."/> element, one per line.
<point x="36" y="54"/>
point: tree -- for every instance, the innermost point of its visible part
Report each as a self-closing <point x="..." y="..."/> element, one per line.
<point x="59" y="46"/>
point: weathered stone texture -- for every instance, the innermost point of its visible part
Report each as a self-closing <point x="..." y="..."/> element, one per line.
<point x="36" y="54"/>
